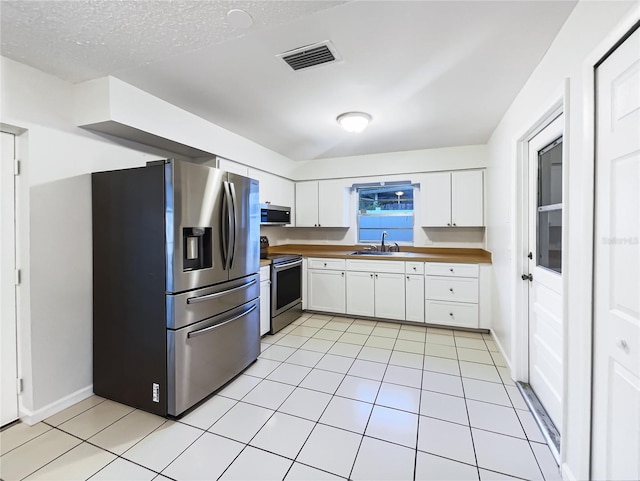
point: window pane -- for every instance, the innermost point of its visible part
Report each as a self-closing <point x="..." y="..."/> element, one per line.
<point x="550" y="174"/>
<point x="549" y="228"/>
<point x="387" y="209"/>
<point x="550" y="239"/>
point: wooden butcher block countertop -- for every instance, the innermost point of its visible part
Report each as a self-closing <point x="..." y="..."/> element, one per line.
<point x="420" y="254"/>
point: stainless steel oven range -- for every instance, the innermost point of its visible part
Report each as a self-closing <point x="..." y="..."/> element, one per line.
<point x="286" y="290"/>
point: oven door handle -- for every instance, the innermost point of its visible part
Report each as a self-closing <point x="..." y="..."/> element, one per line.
<point x="288" y="264"/>
<point x="204" y="330"/>
<point x="208" y="297"/>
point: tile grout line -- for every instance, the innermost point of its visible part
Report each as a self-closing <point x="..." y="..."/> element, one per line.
<point x="333" y="396"/>
<point x="353" y="465"/>
<point x="473" y="444"/>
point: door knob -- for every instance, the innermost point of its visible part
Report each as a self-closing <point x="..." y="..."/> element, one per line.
<point x="528" y="277"/>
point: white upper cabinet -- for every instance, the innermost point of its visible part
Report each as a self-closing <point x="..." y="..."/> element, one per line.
<point x="467" y="198"/>
<point x="323" y="203"/>
<point x="435" y="199"/>
<point x="233" y="167"/>
<point x="307" y="204"/>
<point x="452" y="199"/>
<point x="275" y="190"/>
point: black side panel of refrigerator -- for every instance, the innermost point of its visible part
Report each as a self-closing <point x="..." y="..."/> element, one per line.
<point x="129" y="326"/>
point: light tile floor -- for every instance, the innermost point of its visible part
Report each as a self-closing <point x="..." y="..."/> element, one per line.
<point x="329" y="398"/>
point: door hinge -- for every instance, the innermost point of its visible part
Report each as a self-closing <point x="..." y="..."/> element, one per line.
<point x="527" y="277"/>
<point x="17" y="277"/>
<point x="19" y="385"/>
<point x="530" y="256"/>
<point x="16" y="167"/>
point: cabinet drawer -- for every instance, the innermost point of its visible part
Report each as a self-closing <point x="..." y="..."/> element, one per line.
<point x="451" y="313"/>
<point x="455" y="270"/>
<point x="458" y="289"/>
<point x="414" y="267"/>
<point x="265" y="273"/>
<point x="323" y="263"/>
<point x="391" y="267"/>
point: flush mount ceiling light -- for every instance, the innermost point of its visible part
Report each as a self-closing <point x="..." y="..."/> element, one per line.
<point x="239" y="18"/>
<point x="354" y="121"/>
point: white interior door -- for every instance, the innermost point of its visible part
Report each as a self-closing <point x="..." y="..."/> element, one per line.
<point x="545" y="268"/>
<point x="8" y="340"/>
<point x="616" y="376"/>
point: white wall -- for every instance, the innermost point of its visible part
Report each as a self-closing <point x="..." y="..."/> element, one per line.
<point x="392" y="166"/>
<point x="588" y="25"/>
<point x="54" y="232"/>
<point x="428" y="160"/>
<point x="54" y="235"/>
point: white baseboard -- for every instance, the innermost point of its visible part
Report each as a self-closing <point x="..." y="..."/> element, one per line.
<point x="55" y="407"/>
<point x="500" y="348"/>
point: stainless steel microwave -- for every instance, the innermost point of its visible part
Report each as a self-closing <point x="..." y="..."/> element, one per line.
<point x="274" y="214"/>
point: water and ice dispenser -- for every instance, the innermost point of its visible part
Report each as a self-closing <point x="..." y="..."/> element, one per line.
<point x="197" y="248"/>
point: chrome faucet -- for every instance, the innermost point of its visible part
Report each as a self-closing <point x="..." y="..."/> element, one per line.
<point x="384" y="234"/>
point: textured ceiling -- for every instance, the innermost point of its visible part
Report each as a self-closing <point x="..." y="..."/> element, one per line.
<point x="431" y="73"/>
<point x="85" y="39"/>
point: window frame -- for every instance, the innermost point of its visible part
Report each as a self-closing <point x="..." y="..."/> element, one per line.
<point x="398" y="185"/>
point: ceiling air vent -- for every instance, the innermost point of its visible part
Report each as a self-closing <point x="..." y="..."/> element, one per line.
<point x="311" y="55"/>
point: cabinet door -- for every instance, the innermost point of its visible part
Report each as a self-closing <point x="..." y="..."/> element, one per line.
<point x="414" y="289"/>
<point x="326" y="291"/>
<point x="360" y="294"/>
<point x="467" y="198"/>
<point x="435" y="199"/>
<point x="265" y="307"/>
<point x="333" y="204"/>
<point x="389" y="296"/>
<point x="233" y="167"/>
<point x="274" y="189"/>
<point x="307" y="204"/>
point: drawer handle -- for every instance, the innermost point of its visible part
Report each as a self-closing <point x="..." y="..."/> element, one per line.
<point x="216" y="326"/>
<point x="414" y="268"/>
<point x="451" y="289"/>
<point x="325" y="264"/>
<point x="451" y="270"/>
<point x="208" y="297"/>
<point x="451" y="314"/>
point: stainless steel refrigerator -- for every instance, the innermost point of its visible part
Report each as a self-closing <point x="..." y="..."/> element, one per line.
<point x="175" y="283"/>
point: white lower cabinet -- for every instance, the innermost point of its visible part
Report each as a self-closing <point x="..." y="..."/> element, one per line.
<point x="265" y="299"/>
<point x="414" y="294"/>
<point x="456" y="314"/>
<point x="326" y="285"/>
<point x="375" y="289"/>
<point x="360" y="294"/>
<point x="455" y="295"/>
<point x="452" y="294"/>
<point x="389" y="296"/>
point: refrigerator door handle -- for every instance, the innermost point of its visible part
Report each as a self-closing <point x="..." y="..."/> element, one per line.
<point x="208" y="297"/>
<point x="226" y="226"/>
<point x="234" y="217"/>
<point x="215" y="326"/>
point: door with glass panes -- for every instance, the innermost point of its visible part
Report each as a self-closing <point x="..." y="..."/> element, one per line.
<point x="545" y="260"/>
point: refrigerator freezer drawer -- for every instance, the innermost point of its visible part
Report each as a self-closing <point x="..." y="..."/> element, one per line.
<point x="203" y="357"/>
<point x="193" y="306"/>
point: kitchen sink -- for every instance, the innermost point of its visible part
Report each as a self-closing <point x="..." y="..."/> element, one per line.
<point x="376" y="253"/>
